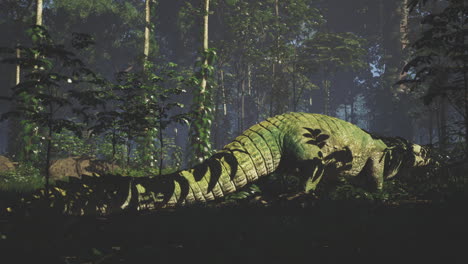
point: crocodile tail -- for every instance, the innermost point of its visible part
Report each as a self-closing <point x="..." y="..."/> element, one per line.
<point x="253" y="154"/>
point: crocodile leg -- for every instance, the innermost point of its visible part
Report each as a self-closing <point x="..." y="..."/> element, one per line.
<point x="312" y="172"/>
<point x="374" y="171"/>
<point x="311" y="167"/>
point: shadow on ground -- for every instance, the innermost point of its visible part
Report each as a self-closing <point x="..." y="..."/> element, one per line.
<point x="327" y="232"/>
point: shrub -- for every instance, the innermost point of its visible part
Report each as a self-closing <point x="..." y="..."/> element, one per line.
<point x="24" y="178"/>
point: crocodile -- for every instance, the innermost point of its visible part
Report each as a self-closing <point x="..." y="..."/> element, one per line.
<point x="317" y="147"/>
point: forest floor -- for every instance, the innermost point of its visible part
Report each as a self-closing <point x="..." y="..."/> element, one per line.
<point x="320" y="232"/>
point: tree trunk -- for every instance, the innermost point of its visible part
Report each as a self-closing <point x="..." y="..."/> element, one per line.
<point x="242" y="118"/>
<point x="393" y="118"/>
<point x="274" y="94"/>
<point x="49" y="150"/>
<point x="39" y="7"/>
<point x="205" y="43"/>
<point x="404" y="25"/>
<point x="29" y="142"/>
<point x="224" y="93"/>
<point x="273" y="86"/>
<point x="18" y="66"/>
<point x="345" y="111"/>
<point x="326" y="88"/>
<point x="147" y="31"/>
<point x="217" y="120"/>
<point x="404" y="41"/>
<point x="148" y="142"/>
<point x="249" y="79"/>
<point x="161" y="153"/>
<point x="200" y="132"/>
<point x="294" y="104"/>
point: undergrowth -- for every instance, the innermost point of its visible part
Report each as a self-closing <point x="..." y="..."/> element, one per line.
<point x="25" y="178"/>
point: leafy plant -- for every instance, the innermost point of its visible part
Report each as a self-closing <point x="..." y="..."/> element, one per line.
<point x="438" y="65"/>
<point x="201" y="113"/>
<point x="49" y="94"/>
<point x="67" y="144"/>
<point x="25" y="178"/>
<point x="143" y="107"/>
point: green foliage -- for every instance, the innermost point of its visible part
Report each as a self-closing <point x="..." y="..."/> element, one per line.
<point x="201" y="114"/>
<point x="439" y="58"/>
<point x="144" y="171"/>
<point x="143" y="107"/>
<point x="257" y="39"/>
<point x="110" y="149"/>
<point x="25" y="178"/>
<point x="331" y="52"/>
<point x="49" y="95"/>
<point x="47" y="91"/>
<point x="68" y="144"/>
<point x="438" y="65"/>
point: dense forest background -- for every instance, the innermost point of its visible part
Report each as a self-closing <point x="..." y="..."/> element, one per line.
<point x="160" y="85"/>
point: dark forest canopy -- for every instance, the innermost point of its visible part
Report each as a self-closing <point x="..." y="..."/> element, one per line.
<point x="396" y="68"/>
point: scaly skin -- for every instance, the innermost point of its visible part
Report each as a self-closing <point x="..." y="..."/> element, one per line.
<point x="316" y="145"/>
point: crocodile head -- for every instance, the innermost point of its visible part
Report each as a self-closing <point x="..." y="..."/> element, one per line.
<point x="420" y="155"/>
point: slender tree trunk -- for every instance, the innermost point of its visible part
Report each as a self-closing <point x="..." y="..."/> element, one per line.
<point x="39" y="7"/>
<point x="404" y="41"/>
<point x="205" y="49"/>
<point x="148" y="141"/>
<point x="18" y="66"/>
<point x="404" y="25"/>
<point x="326" y="87"/>
<point x="205" y="42"/>
<point x="224" y="93"/>
<point x="239" y="105"/>
<point x="273" y="87"/>
<point x="346" y="111"/>
<point x="249" y="79"/>
<point x="294" y="104"/>
<point x="274" y="94"/>
<point x="161" y="140"/>
<point x="49" y="150"/>
<point x="34" y="133"/>
<point x="200" y="132"/>
<point x="217" y="112"/>
<point x="147" y="31"/>
<point x="242" y="104"/>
